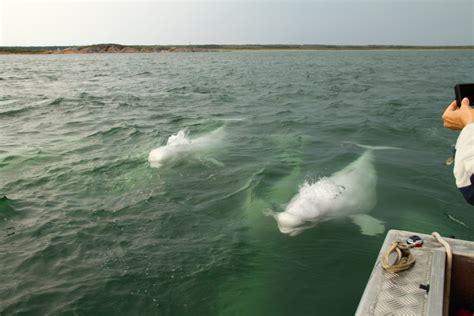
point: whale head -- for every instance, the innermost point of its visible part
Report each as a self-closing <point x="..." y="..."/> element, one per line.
<point x="289" y="224"/>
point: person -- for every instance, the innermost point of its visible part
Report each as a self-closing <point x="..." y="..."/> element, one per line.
<point x="462" y="118"/>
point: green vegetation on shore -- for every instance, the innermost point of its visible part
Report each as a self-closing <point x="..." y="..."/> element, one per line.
<point x="117" y="48"/>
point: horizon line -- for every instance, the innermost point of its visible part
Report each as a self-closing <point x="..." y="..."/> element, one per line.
<point x="238" y="45"/>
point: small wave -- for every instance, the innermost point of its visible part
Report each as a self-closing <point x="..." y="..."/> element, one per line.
<point x="145" y="73"/>
<point x="157" y="116"/>
<point x="127" y="100"/>
<point x="8" y="158"/>
<point x="130" y="130"/>
<point x="56" y="101"/>
<point x="116" y="166"/>
<point x="19" y="78"/>
<point x="247" y="185"/>
<point x="6" y="206"/>
<point x="124" y="104"/>
<point x="90" y="97"/>
<point x="52" y="78"/>
<point x="176" y="119"/>
<point x="397" y="103"/>
<point x="84" y="95"/>
<point x="178" y="89"/>
<point x="7" y="102"/>
<point x="202" y="90"/>
<point x="457" y="221"/>
<point x="13" y="112"/>
<point x="226" y="98"/>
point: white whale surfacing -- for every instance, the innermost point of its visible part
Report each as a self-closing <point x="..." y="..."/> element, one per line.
<point x="179" y="145"/>
<point x="349" y="192"/>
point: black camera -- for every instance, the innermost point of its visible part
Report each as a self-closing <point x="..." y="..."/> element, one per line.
<point x="464" y="90"/>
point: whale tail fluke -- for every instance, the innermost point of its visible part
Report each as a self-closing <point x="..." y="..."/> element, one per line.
<point x="373" y="147"/>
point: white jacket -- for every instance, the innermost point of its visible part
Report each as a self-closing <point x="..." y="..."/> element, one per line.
<point x="464" y="163"/>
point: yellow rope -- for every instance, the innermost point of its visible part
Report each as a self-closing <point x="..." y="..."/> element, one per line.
<point x="405" y="259"/>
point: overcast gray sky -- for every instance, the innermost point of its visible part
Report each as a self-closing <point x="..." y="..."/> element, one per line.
<point x="356" y="22"/>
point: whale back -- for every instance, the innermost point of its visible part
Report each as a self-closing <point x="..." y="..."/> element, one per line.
<point x="359" y="180"/>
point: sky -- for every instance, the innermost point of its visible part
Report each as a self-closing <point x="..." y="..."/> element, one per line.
<point x="183" y="22"/>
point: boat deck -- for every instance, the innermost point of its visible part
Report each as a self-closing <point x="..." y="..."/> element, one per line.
<point x="400" y="293"/>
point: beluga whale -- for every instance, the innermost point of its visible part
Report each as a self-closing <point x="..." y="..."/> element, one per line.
<point x="349" y="193"/>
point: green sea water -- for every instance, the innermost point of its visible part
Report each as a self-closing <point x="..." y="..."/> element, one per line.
<point x="88" y="227"/>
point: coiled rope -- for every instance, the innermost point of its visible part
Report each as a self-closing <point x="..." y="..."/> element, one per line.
<point x="404" y="260"/>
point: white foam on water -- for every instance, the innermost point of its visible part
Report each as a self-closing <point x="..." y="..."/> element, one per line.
<point x="180" y="145"/>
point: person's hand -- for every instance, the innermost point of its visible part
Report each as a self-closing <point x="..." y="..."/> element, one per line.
<point x="456" y="118"/>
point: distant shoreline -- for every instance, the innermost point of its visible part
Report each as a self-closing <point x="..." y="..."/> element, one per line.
<point x="130" y="49"/>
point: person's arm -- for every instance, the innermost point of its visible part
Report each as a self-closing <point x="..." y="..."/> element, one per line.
<point x="464" y="163"/>
<point x="463" y="118"/>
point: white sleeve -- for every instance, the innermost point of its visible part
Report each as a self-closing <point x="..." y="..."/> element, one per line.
<point x="464" y="163"/>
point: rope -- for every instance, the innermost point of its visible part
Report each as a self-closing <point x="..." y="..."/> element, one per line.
<point x="447" y="280"/>
<point x="405" y="259"/>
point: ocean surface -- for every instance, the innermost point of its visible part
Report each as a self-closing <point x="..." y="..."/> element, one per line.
<point x="89" y="227"/>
